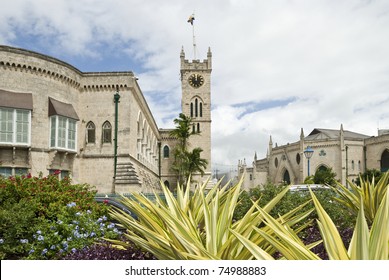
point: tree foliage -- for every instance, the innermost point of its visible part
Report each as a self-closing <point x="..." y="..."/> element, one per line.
<point x="186" y="162"/>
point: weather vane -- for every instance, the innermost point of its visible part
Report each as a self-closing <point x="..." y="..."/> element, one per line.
<point x="190" y="20"/>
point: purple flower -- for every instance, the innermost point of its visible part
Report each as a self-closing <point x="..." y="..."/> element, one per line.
<point x="70" y="205"/>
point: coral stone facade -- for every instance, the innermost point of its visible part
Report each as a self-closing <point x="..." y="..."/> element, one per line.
<point x="347" y="153"/>
<point x="54" y="117"/>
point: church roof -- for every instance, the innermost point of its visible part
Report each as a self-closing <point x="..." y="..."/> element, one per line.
<point x="323" y="134"/>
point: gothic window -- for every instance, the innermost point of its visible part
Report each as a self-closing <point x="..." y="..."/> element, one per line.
<point x="107" y="132"/>
<point x="352" y="165"/>
<point x="359" y="165"/>
<point x="385" y="161"/>
<point x="90" y="132"/>
<point x="198" y="128"/>
<point x="322" y="153"/>
<point x="166" y="151"/>
<point x="191" y="109"/>
<point x="193" y="128"/>
<point x="196" y="108"/>
<point x="201" y="109"/>
<point x="276" y="162"/>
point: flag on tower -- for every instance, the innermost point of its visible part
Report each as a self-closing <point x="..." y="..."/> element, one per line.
<point x="191" y="19"/>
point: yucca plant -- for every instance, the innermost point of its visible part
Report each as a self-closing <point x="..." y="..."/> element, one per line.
<point x="369" y="194"/>
<point x="366" y="244"/>
<point x="199" y="225"/>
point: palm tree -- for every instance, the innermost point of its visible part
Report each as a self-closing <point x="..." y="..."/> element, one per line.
<point x="185" y="162"/>
<point x="183" y="130"/>
<point x="195" y="163"/>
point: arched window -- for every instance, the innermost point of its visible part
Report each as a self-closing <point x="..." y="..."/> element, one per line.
<point x="107" y="132"/>
<point x="385" y="161"/>
<point x="276" y="162"/>
<point x="193" y="128"/>
<point x="191" y="109"/>
<point x="198" y="127"/>
<point x="352" y="165"/>
<point x="286" y="177"/>
<point x="196" y="108"/>
<point x="359" y="165"/>
<point x="166" y="151"/>
<point x="90" y="132"/>
<point x="201" y="109"/>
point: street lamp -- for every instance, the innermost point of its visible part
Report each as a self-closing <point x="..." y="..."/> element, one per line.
<point x="116" y="98"/>
<point x="308" y="154"/>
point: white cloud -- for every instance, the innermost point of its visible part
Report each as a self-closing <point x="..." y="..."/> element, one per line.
<point x="328" y="59"/>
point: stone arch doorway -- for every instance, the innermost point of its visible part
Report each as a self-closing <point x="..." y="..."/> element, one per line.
<point x="286" y="177"/>
<point x="322" y="168"/>
<point x="385" y="161"/>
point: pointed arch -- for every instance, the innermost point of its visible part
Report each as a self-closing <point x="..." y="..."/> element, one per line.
<point x="286" y="177"/>
<point x="166" y="151"/>
<point x="196" y="108"/>
<point x="107" y="132"/>
<point x="385" y="161"/>
<point x="322" y="167"/>
<point x="90" y="132"/>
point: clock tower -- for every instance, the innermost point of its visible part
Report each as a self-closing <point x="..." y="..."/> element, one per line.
<point x="196" y="103"/>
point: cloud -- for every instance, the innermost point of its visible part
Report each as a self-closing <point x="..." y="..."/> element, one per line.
<point x="278" y="66"/>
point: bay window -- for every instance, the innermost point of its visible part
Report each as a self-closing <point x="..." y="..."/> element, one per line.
<point x="63" y="133"/>
<point x="63" y="128"/>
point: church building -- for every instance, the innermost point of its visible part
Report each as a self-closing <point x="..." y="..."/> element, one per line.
<point x="93" y="126"/>
<point x="347" y="153"/>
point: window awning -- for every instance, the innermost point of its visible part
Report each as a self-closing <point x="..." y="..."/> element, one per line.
<point x="17" y="100"/>
<point x="62" y="109"/>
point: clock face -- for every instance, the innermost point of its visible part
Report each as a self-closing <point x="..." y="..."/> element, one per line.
<point x="196" y="80"/>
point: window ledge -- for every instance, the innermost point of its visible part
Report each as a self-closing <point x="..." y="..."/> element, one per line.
<point x="63" y="150"/>
<point x="25" y="146"/>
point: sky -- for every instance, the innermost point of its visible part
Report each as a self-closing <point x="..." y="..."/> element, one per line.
<point x="278" y="66"/>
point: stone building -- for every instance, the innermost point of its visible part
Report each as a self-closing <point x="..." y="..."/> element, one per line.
<point x="95" y="127"/>
<point x="347" y="153"/>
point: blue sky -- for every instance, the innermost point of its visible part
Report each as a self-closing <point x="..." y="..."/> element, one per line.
<point x="278" y="66"/>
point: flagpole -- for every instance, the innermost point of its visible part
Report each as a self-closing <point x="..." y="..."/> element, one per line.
<point x="190" y="20"/>
<point x="194" y="41"/>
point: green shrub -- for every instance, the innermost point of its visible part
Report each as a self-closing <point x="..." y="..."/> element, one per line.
<point x="341" y="215"/>
<point x="44" y="218"/>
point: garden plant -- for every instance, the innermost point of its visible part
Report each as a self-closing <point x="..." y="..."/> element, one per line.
<point x="199" y="225"/>
<point x="367" y="243"/>
<point x="48" y="218"/>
